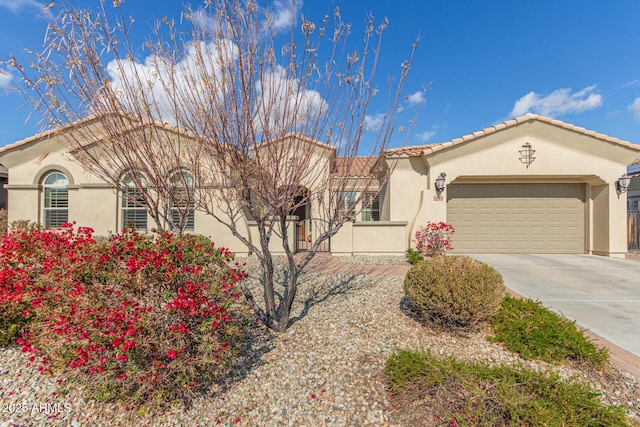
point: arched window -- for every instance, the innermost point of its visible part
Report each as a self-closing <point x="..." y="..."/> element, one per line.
<point x="134" y="207"/>
<point x="183" y="206"/>
<point x="56" y="200"/>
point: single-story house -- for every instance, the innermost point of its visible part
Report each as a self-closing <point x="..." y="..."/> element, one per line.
<point x="528" y="185"/>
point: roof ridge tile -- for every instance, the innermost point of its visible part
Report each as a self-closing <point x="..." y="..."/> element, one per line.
<point x="417" y="150"/>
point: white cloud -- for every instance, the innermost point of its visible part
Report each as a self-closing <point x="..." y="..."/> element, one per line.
<point x="632" y="83"/>
<point x="17" y="6"/>
<point x="560" y="101"/>
<point x="426" y="135"/>
<point x="157" y="83"/>
<point x="278" y="17"/>
<point x="202" y="19"/>
<point x="373" y="123"/>
<point x="415" y="98"/>
<point x="284" y="102"/>
<point x="170" y="89"/>
<point x="281" y="15"/>
<point x="5" y="79"/>
<point x="635" y="108"/>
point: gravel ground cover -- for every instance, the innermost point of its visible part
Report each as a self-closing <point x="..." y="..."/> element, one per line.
<point x="375" y="260"/>
<point x="326" y="370"/>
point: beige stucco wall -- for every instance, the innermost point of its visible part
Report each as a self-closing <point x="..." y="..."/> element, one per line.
<point x="408" y="190"/>
<point x="92" y="202"/>
<point x="380" y="238"/>
<point x="275" y="243"/>
<point x="370" y="238"/>
<point x="560" y="155"/>
<point x="408" y="198"/>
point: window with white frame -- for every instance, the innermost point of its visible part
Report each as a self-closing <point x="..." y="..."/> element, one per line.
<point x="346" y="201"/>
<point x="56" y="200"/>
<point x="134" y="212"/>
<point x="371" y="203"/>
<point x="183" y="209"/>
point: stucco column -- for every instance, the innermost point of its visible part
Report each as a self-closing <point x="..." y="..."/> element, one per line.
<point x="617" y="222"/>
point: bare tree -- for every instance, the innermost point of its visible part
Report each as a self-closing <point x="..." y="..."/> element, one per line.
<point x="239" y="110"/>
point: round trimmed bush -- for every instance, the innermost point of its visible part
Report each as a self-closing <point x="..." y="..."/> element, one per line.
<point x="455" y="291"/>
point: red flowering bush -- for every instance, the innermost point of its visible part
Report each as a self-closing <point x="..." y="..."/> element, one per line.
<point x="131" y="319"/>
<point x="434" y="239"/>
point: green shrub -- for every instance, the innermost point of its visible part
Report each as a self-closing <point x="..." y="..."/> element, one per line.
<point x="454" y="291"/>
<point x="531" y="330"/>
<point x="476" y="394"/>
<point x="413" y="256"/>
<point x="9" y="329"/>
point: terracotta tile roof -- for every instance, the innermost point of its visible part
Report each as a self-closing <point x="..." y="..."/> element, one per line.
<point x="356" y="167"/>
<point x="301" y="138"/>
<point x="134" y="122"/>
<point x="45" y="134"/>
<point x="418" y="150"/>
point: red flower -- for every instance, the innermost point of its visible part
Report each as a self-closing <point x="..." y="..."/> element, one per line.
<point x="129" y="345"/>
<point x="172" y="354"/>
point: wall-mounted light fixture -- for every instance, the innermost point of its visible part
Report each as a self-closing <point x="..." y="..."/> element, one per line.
<point x="439" y="184"/>
<point x="622" y="184"/>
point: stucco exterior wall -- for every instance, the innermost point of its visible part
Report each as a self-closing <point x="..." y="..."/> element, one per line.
<point x="561" y="156"/>
<point x="380" y="238"/>
<point x="407" y="200"/>
<point x="370" y="238"/>
<point x="408" y="193"/>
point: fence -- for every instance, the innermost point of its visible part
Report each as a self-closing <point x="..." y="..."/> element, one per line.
<point x="307" y="231"/>
<point x="633" y="230"/>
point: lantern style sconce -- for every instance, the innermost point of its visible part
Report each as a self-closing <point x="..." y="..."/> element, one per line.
<point x="622" y="184"/>
<point x="526" y="155"/>
<point x="439" y="184"/>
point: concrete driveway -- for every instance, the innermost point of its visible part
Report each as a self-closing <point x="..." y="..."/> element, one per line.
<point x="601" y="294"/>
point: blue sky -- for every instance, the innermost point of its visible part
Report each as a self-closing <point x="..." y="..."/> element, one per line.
<point x="484" y="62"/>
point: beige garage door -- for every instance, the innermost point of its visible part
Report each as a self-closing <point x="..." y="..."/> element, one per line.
<point x="517" y="218"/>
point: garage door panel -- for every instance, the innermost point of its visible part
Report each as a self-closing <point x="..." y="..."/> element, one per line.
<point x="517" y="218"/>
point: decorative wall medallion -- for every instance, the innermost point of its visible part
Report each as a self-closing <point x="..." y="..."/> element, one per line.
<point x="526" y="154"/>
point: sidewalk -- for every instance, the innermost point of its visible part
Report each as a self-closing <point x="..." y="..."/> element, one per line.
<point x="325" y="263"/>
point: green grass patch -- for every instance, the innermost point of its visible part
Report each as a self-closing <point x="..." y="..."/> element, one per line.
<point x="475" y="394"/>
<point x="528" y="328"/>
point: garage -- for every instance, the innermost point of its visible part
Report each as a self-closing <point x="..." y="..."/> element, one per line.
<point x="517" y="218"/>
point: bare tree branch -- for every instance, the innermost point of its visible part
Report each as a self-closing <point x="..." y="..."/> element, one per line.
<point x="225" y="118"/>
